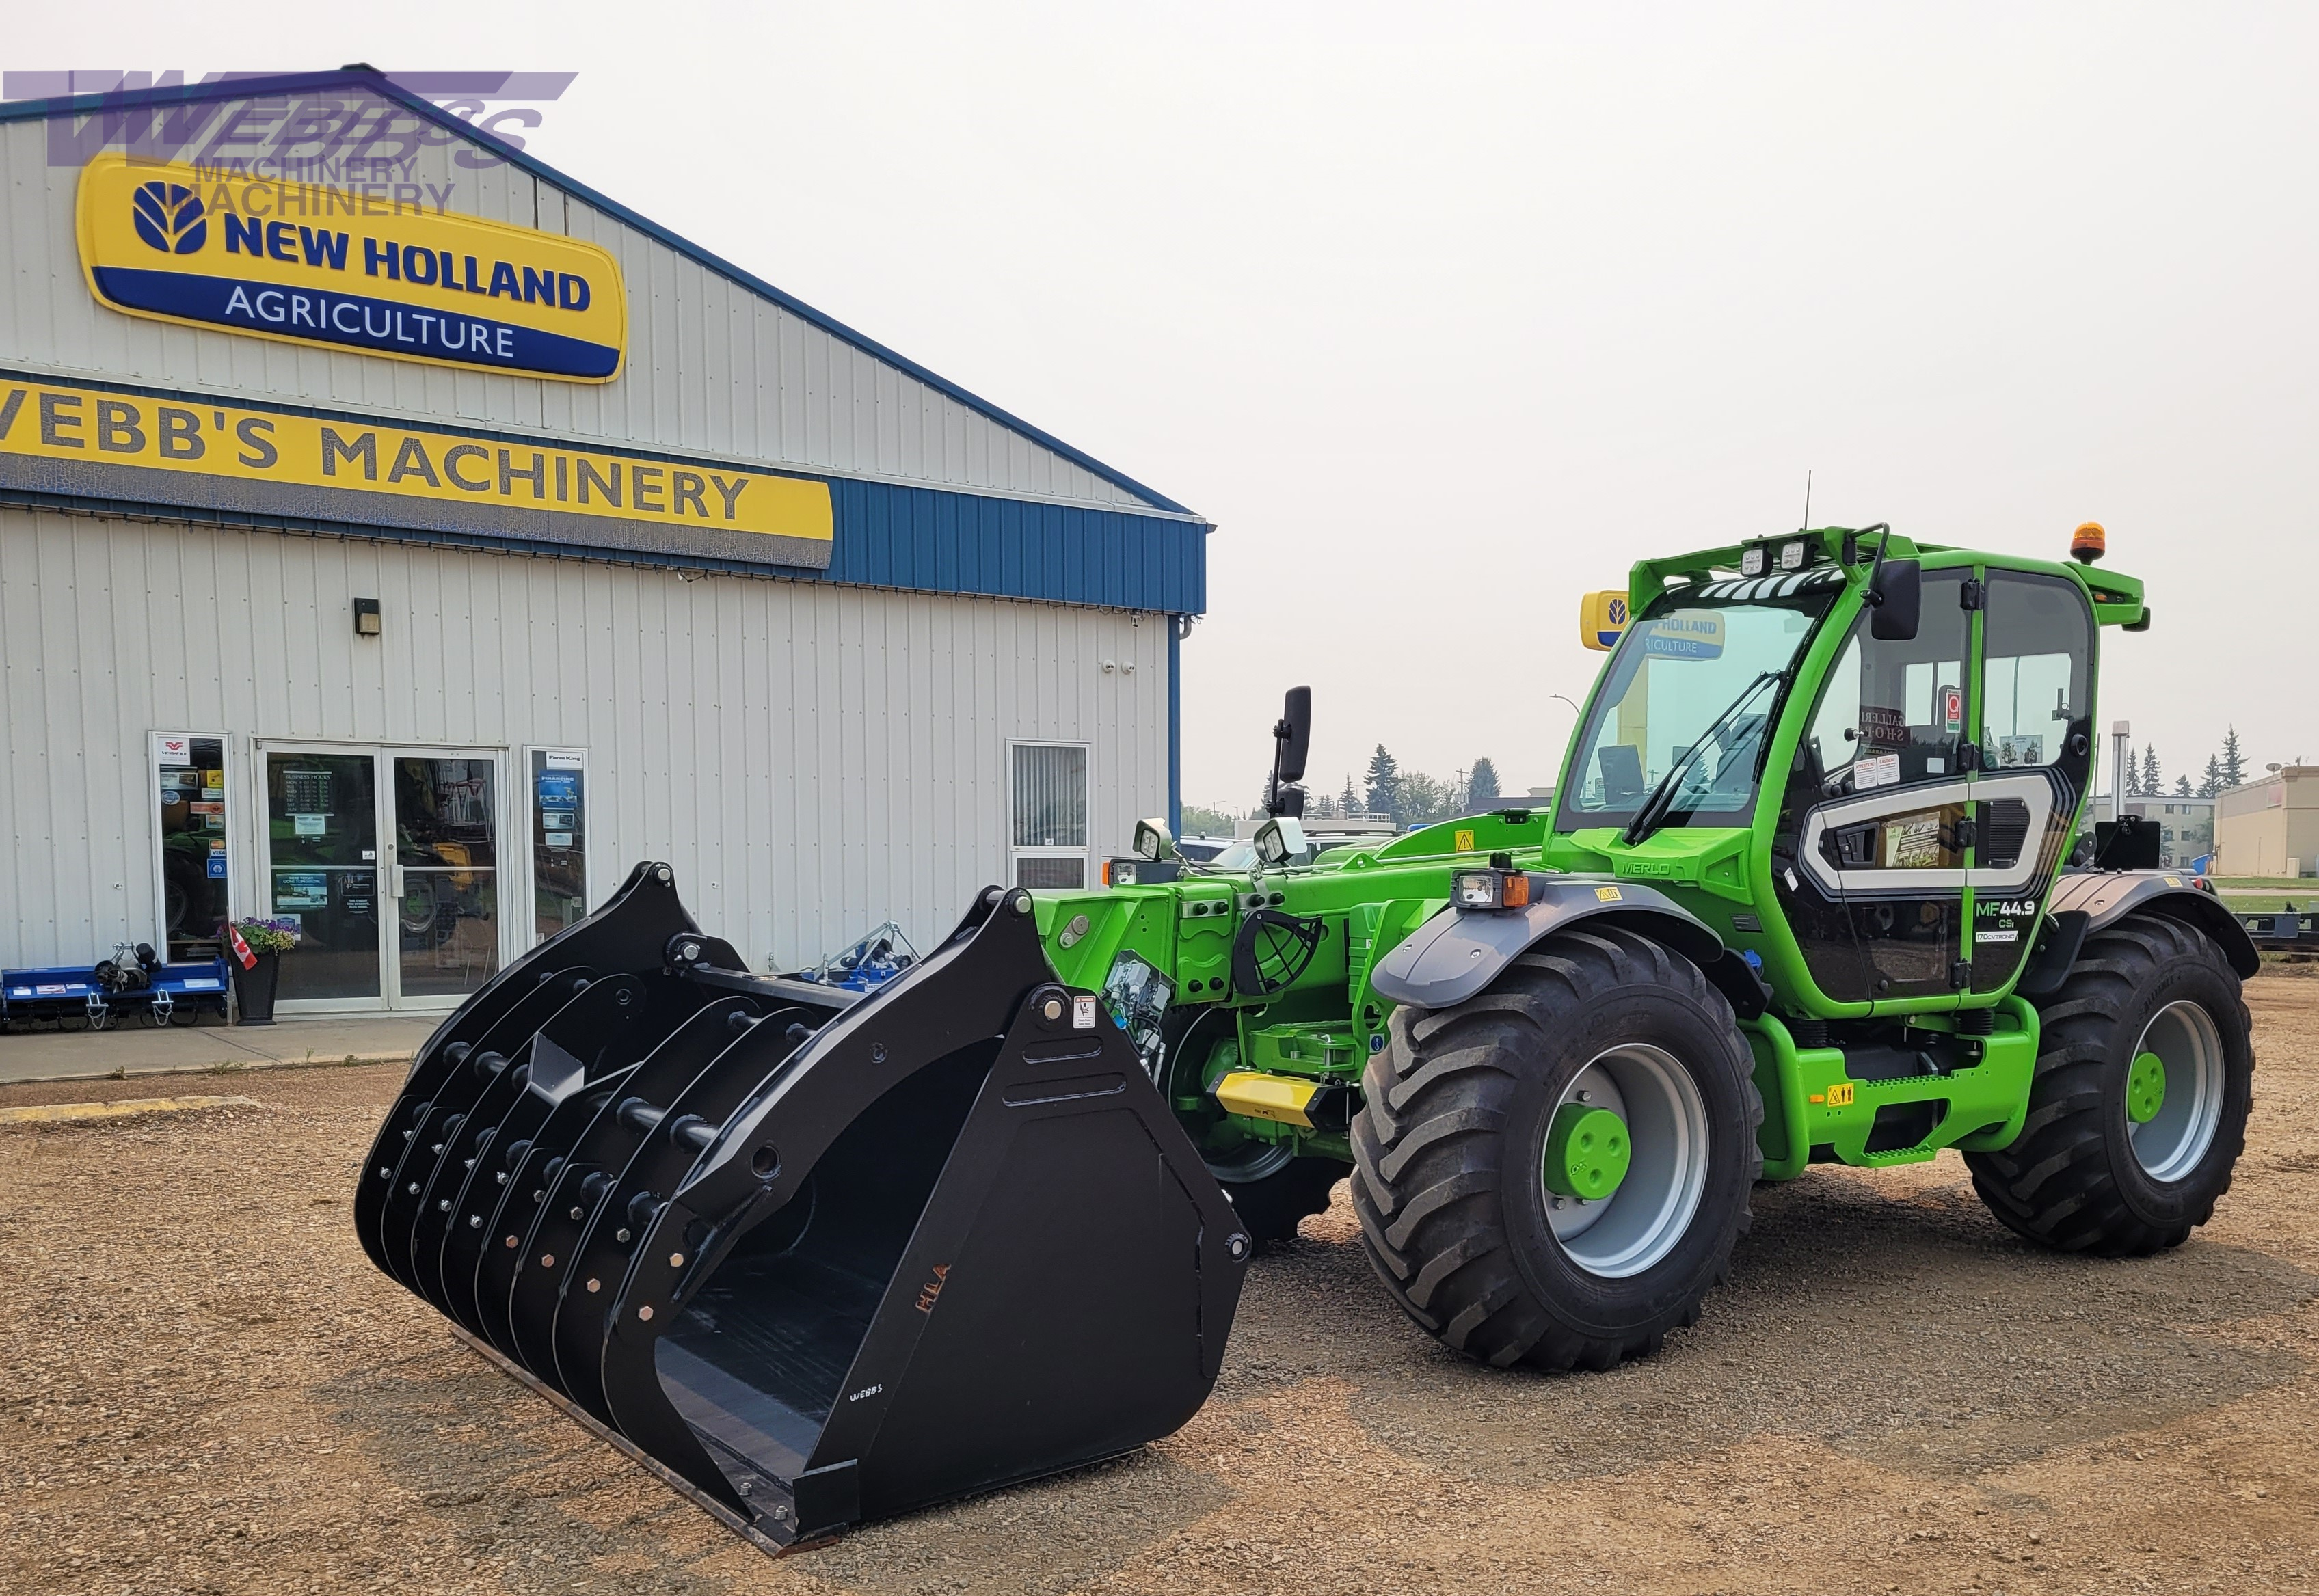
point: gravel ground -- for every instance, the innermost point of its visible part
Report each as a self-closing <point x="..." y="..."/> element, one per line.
<point x="209" y="1390"/>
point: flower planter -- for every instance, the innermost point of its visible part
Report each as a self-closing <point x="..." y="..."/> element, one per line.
<point x="253" y="989"/>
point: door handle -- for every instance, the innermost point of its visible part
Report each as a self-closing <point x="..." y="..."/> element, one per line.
<point x="1849" y="847"/>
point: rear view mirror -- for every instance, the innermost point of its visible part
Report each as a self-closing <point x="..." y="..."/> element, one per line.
<point x="1295" y="732"/>
<point x="1898" y="594"/>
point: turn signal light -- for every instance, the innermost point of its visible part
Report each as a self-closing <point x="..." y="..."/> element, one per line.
<point x="1490" y="889"/>
<point x="2089" y="543"/>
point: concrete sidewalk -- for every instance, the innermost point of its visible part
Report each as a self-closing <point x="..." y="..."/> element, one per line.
<point x="135" y="1049"/>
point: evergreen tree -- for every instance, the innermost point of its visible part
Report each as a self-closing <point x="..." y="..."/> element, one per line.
<point x="1385" y="784"/>
<point x="2213" y="781"/>
<point x="1349" y="802"/>
<point x="2154" y="779"/>
<point x="1482" y="784"/>
<point x="2233" y="760"/>
<point x="2133" y="775"/>
<point x="2182" y="786"/>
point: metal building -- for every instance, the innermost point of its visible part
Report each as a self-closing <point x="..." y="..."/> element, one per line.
<point x="400" y="539"/>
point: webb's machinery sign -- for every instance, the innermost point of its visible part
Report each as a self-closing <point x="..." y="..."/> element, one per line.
<point x="340" y="266"/>
<point x="113" y="444"/>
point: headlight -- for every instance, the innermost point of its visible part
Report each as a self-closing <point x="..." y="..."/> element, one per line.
<point x="1478" y="889"/>
<point x="1751" y="560"/>
<point x="1490" y="889"/>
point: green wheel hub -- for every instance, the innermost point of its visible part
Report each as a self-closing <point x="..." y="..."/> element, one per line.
<point x="1586" y="1152"/>
<point x="2145" y="1088"/>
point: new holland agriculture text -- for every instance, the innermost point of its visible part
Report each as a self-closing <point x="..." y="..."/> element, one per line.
<point x="261" y="256"/>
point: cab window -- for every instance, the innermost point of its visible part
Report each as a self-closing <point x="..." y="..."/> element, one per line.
<point x="1892" y="713"/>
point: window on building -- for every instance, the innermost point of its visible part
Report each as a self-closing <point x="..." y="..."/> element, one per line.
<point x="1048" y="815"/>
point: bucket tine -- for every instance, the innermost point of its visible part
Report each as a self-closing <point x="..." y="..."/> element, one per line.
<point x="576" y="1189"/>
<point x="526" y="1161"/>
<point x="669" y="1141"/>
<point x="435" y="1121"/>
<point x="605" y="1028"/>
<point x="632" y="931"/>
<point x="941" y="1250"/>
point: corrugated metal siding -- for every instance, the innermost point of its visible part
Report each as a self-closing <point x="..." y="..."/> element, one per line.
<point x="811" y="757"/>
<point x="914" y="537"/>
<point x="713" y="368"/>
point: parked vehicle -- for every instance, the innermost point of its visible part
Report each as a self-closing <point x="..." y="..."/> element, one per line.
<point x="1800" y="897"/>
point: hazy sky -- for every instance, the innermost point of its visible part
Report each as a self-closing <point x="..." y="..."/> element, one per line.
<point x="1444" y="315"/>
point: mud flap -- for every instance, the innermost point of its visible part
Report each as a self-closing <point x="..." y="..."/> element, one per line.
<point x="818" y="1257"/>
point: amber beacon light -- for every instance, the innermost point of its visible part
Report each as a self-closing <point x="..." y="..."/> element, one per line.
<point x="2088" y="542"/>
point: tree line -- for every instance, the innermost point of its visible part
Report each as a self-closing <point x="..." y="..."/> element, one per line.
<point x="2226" y="767"/>
<point x="1406" y="797"/>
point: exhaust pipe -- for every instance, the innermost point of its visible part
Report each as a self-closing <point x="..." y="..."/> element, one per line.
<point x="816" y="1257"/>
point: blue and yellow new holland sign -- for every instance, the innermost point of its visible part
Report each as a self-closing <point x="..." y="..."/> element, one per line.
<point x="315" y="265"/>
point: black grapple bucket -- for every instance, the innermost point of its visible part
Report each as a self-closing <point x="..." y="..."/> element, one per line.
<point x="815" y="1256"/>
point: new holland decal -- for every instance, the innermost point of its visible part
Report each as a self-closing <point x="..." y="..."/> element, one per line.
<point x="318" y="264"/>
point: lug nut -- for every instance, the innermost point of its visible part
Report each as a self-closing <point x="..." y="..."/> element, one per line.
<point x="595" y="1285"/>
<point x="644" y="1311"/>
<point x="676" y="1260"/>
<point x="548" y="1260"/>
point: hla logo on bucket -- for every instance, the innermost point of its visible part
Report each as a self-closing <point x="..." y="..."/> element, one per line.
<point x="318" y="263"/>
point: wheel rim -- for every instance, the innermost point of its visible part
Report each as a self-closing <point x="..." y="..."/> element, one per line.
<point x="1251" y="1161"/>
<point x="1641" y="1222"/>
<point x="2189" y="1047"/>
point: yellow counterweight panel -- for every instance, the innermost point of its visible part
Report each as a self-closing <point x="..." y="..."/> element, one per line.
<point x="1278" y="1097"/>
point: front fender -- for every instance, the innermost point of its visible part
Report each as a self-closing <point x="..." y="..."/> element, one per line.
<point x="1460" y="952"/>
<point x="2107" y="896"/>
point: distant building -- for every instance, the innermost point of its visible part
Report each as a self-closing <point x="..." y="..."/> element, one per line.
<point x="2187" y="824"/>
<point x="2271" y="825"/>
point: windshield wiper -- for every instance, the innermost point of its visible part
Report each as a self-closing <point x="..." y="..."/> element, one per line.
<point x="1661" y="797"/>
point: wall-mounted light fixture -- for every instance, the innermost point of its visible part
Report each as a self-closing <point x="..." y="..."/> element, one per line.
<point x="366" y="619"/>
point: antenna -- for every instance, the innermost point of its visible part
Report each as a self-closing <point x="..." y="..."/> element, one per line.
<point x="1807" y="525"/>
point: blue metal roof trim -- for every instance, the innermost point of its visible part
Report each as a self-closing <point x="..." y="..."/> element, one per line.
<point x="383" y="84"/>
<point x="894" y="536"/>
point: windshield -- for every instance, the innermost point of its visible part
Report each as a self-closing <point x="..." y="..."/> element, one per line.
<point x="1685" y="665"/>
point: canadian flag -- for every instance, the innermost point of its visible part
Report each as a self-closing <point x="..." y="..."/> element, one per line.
<point x="240" y="948"/>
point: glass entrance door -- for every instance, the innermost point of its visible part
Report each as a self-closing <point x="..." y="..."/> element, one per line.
<point x="447" y="869"/>
<point x="322" y="871"/>
<point x="385" y="861"/>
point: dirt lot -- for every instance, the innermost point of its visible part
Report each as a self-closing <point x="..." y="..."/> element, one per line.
<point x="208" y="1389"/>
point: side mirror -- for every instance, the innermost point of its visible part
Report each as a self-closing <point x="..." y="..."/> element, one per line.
<point x="1154" y="841"/>
<point x="1279" y="840"/>
<point x="1898" y="594"/>
<point x="1294" y="734"/>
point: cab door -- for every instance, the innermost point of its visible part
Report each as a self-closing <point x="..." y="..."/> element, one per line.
<point x="2036" y="717"/>
<point x="1869" y="857"/>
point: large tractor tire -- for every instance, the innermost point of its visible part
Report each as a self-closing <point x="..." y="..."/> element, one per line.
<point x="1598" y="1061"/>
<point x="2138" y="1110"/>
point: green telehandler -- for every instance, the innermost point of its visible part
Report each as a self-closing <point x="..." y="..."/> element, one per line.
<point x="1812" y="889"/>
